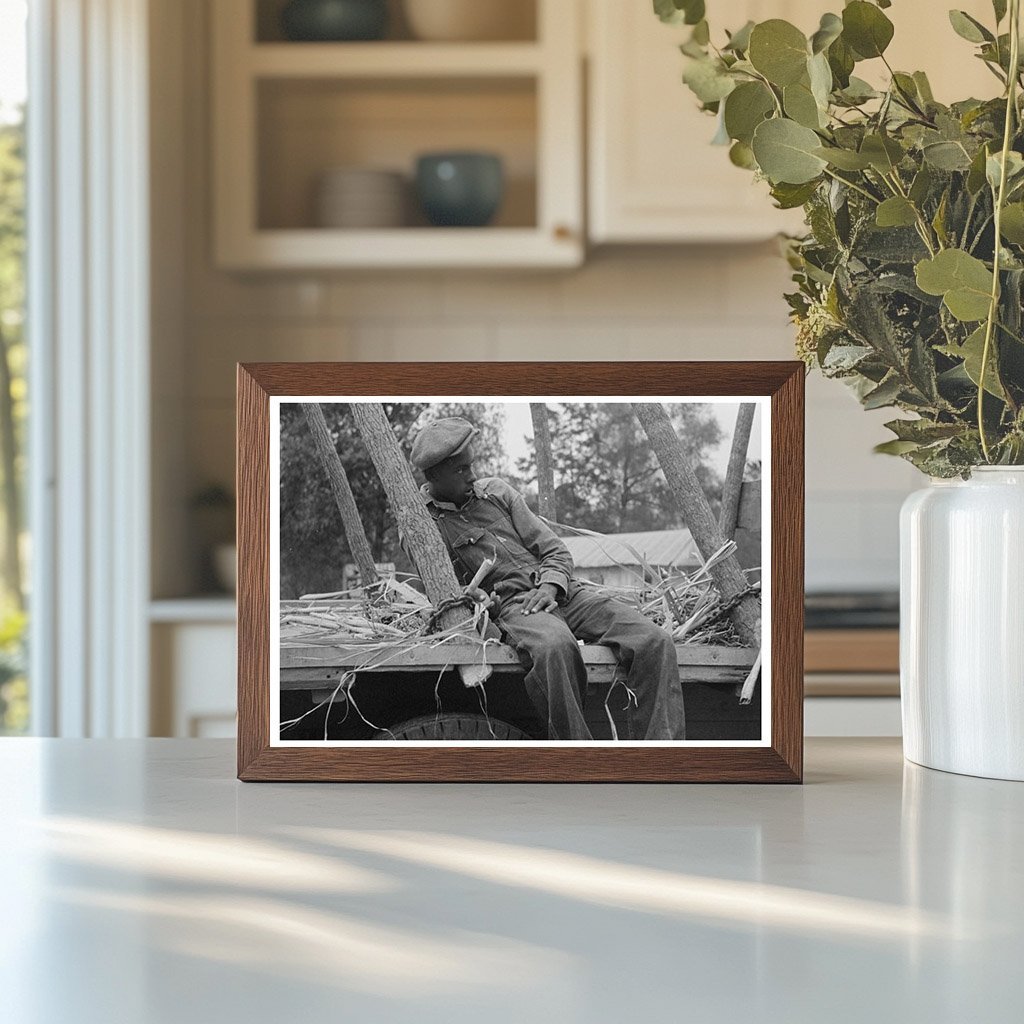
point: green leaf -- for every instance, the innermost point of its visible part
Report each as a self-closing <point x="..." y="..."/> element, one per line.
<point x="789" y="197"/>
<point x="896" y="212"/>
<point x="830" y="29"/>
<point x="921" y="186"/>
<point x="885" y="394"/>
<point x="924" y="88"/>
<point x="667" y="11"/>
<point x="778" y="50"/>
<point x="742" y="155"/>
<point x="739" y="41"/>
<point x="866" y="29"/>
<point x="1012" y="223"/>
<point x="923" y="431"/>
<point x="971" y="352"/>
<point x="947" y="156"/>
<point x="921" y="368"/>
<point x="969" y="28"/>
<point x="906" y="88"/>
<point x="883" y="153"/>
<point x="844" y="159"/>
<point x="842" y="61"/>
<point x="694" y="11"/>
<point x="820" y="76"/>
<point x="708" y="81"/>
<point x="895" y="447"/>
<point x="676" y="12"/>
<point x="939" y="220"/>
<point x="800" y="105"/>
<point x="785" y="152"/>
<point x="963" y="281"/>
<point x="976" y="174"/>
<point x="994" y="167"/>
<point x="745" y="108"/>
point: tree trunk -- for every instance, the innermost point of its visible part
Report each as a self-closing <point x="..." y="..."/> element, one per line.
<point x="697" y="515"/>
<point x="415" y="525"/>
<point x="11" y="491"/>
<point x="734" y="474"/>
<point x="545" y="466"/>
<point x="347" y="508"/>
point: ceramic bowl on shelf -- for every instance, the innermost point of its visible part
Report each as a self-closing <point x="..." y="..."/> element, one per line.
<point x="460" y="189"/>
<point x="361" y="198"/>
<point x="469" y="20"/>
<point x="334" y="20"/>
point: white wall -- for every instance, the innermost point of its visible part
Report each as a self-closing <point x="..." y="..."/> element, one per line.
<point x="721" y="302"/>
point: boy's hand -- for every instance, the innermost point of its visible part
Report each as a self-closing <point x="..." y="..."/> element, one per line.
<point x="543" y="599"/>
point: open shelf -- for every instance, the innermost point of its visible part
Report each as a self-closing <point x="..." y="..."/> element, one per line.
<point x="519" y="15"/>
<point x="308" y="127"/>
<point x="286" y="114"/>
<point x="393" y="60"/>
<point x="406" y="248"/>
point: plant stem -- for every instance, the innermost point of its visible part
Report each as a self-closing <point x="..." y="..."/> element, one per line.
<point x="768" y="85"/>
<point x="981" y="231"/>
<point x="853" y="185"/>
<point x="993" y="309"/>
<point x="1012" y="334"/>
<point x="922" y="225"/>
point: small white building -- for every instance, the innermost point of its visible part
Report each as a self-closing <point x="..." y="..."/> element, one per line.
<point x="610" y="560"/>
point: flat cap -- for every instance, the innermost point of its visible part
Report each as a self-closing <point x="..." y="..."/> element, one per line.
<point x="440" y="439"/>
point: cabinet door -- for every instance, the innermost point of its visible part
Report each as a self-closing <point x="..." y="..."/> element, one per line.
<point x="653" y="174"/>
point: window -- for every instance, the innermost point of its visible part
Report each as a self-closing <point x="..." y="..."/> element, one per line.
<point x="14" y="549"/>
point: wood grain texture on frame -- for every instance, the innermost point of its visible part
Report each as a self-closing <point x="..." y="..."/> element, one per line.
<point x="782" y="761"/>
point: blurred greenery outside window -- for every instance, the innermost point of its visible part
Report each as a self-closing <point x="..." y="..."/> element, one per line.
<point x="14" y="548"/>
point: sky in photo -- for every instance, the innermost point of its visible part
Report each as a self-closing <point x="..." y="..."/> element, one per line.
<point x="519" y="427"/>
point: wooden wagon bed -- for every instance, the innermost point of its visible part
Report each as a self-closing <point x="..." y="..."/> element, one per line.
<point x="319" y="667"/>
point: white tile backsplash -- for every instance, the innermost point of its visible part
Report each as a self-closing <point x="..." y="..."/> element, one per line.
<point x="718" y="302"/>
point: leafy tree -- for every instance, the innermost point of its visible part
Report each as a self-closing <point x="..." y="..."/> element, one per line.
<point x="606" y="475"/>
<point x="312" y="542"/>
<point x="13" y="412"/>
<point x="12" y="348"/>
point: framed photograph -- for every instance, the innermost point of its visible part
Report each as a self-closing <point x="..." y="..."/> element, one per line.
<point x="516" y="572"/>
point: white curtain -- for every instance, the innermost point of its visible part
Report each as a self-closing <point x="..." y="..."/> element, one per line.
<point x="88" y="320"/>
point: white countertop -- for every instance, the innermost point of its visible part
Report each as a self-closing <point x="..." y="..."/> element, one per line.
<point x="143" y="884"/>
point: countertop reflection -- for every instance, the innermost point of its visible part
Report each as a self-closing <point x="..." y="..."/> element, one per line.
<point x="144" y="884"/>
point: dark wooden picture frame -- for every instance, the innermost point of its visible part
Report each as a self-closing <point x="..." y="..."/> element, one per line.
<point x="781" y="760"/>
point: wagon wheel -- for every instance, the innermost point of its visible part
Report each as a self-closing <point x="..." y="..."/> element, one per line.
<point x="452" y="726"/>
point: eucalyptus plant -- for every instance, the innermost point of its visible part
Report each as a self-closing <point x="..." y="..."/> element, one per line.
<point x="910" y="277"/>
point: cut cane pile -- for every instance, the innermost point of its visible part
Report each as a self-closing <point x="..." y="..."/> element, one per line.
<point x="391" y="613"/>
<point x="390" y="617"/>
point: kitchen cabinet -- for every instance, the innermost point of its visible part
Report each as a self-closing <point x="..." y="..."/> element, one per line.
<point x="653" y="175"/>
<point x="286" y="113"/>
<point x="192" y="648"/>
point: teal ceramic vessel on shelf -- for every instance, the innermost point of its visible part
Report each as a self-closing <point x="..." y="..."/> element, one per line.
<point x="460" y="189"/>
<point x="330" y="21"/>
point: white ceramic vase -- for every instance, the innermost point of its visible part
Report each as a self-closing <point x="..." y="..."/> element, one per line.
<point x="962" y="624"/>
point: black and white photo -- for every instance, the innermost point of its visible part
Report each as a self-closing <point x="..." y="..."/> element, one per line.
<point x="552" y="570"/>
